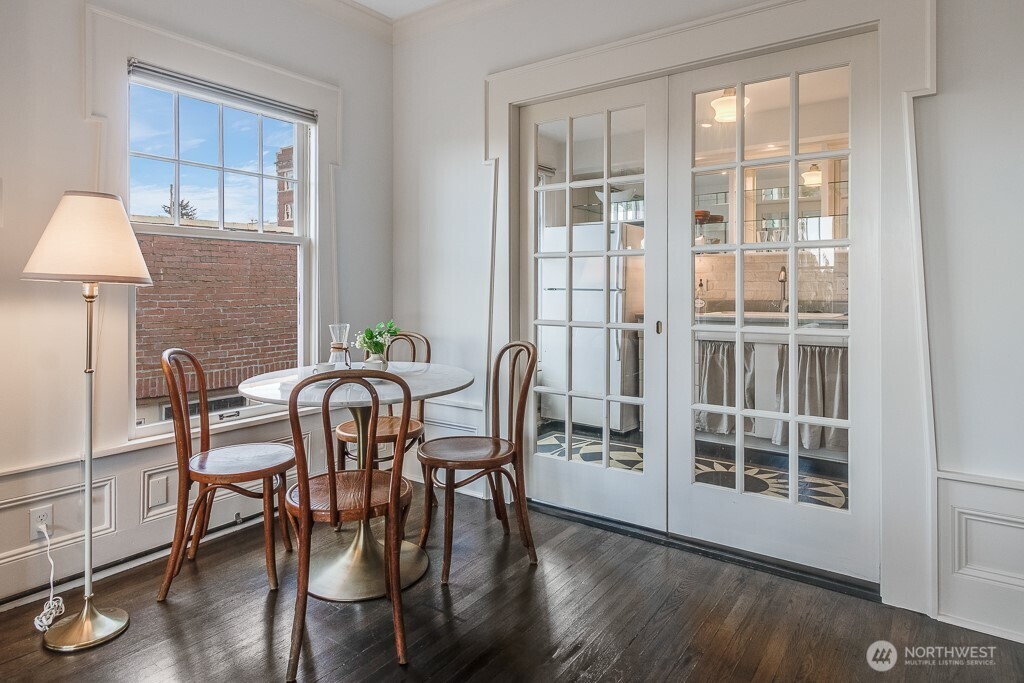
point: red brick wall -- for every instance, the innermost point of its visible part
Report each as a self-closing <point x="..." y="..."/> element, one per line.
<point x="233" y="304"/>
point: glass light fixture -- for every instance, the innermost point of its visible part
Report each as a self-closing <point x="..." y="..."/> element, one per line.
<point x="812" y="176"/>
<point x="725" y="106"/>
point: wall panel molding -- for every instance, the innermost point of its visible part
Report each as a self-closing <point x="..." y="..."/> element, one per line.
<point x="103" y="487"/>
<point x="981" y="557"/>
<point x="966" y="525"/>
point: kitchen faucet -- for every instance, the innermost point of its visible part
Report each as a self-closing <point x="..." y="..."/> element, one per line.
<point x="783" y="279"/>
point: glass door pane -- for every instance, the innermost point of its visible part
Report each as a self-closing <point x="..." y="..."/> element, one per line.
<point x="794" y="280"/>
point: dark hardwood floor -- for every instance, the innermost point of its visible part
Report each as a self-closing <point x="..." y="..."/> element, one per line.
<point x="599" y="606"/>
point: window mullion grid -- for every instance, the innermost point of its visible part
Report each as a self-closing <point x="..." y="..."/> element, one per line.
<point x="220" y="151"/>
<point x="175" y="198"/>
<point x="259" y="170"/>
<point x="606" y="304"/>
<point x="792" y="284"/>
<point x="741" y="115"/>
<point x="569" y="230"/>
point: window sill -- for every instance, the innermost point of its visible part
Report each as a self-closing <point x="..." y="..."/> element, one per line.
<point x="168" y="438"/>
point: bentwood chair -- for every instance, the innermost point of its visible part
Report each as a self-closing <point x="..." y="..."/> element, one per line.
<point x="226" y="467"/>
<point x="350" y="495"/>
<point x="387" y="425"/>
<point x="490" y="455"/>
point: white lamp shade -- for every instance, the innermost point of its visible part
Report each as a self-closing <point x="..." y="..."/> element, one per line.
<point x="88" y="239"/>
<point x="812" y="176"/>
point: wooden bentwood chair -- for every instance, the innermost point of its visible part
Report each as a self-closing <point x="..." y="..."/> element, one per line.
<point x="350" y="495"/>
<point x="387" y="425"/>
<point x="218" y="468"/>
<point x="488" y="454"/>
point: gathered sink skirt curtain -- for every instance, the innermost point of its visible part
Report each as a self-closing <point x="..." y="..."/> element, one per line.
<point x="716" y="384"/>
<point x="823" y="392"/>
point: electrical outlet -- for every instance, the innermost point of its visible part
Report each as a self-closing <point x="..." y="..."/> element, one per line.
<point x="42" y="514"/>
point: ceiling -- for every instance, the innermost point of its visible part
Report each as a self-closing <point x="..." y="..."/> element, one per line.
<point x="396" y="9"/>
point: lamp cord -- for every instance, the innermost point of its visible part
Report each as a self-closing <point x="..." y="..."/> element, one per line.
<point x="54" y="607"/>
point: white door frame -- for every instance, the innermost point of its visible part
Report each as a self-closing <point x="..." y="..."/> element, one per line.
<point x="906" y="55"/>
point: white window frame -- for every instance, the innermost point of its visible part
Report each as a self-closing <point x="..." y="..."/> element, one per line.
<point x="303" y="237"/>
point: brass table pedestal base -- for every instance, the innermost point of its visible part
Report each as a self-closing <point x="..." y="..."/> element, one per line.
<point x="358" y="573"/>
<point x="89" y="627"/>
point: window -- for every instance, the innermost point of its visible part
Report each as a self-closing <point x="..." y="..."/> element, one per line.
<point x="218" y="190"/>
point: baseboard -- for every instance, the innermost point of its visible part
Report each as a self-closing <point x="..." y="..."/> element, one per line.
<point x="117" y="566"/>
<point x="815" y="577"/>
<point x="981" y="628"/>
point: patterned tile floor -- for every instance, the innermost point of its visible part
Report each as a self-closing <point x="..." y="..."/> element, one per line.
<point x="774" y="482"/>
<point x="621" y="456"/>
<point x="767" y="481"/>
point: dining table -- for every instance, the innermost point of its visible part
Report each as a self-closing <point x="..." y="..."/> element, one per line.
<point x="355" y="571"/>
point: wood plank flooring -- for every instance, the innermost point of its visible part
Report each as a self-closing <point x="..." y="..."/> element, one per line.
<point x="599" y="607"/>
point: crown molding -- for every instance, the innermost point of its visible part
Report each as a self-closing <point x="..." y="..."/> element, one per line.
<point x="351" y="13"/>
<point x="441" y="15"/>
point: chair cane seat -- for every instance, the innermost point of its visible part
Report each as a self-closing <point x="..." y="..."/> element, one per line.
<point x="387" y="429"/>
<point x="350" y="486"/>
<point x="241" y="462"/>
<point x="466" y="452"/>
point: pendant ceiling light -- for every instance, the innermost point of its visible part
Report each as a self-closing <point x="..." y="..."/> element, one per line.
<point x="812" y="176"/>
<point x="725" y="106"/>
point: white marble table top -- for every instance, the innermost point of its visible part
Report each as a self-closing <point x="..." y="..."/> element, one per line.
<point x="425" y="380"/>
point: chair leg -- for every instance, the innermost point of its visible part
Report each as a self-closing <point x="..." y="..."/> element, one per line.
<point x="498" y="496"/>
<point x="282" y="511"/>
<point x="201" y="503"/>
<point x="268" y="531"/>
<point x="524" y="518"/>
<point x="387" y="564"/>
<point x="177" y="544"/>
<point x="429" y="493"/>
<point x="449" y="519"/>
<point x="392" y="560"/>
<point x="191" y="527"/>
<point x="405" y="519"/>
<point x="428" y="509"/>
<point x="342" y="455"/>
<point x="302" y="538"/>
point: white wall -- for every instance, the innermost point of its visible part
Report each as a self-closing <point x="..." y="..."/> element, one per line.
<point x="46" y="147"/>
<point x="969" y="145"/>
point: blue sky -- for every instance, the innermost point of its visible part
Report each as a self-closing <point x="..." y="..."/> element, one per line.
<point x="151" y="132"/>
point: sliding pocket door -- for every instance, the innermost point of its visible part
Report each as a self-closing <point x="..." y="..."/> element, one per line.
<point x="593" y="176"/>
<point x="773" y="298"/>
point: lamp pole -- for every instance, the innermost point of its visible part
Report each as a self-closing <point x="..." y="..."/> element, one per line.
<point x="91" y="626"/>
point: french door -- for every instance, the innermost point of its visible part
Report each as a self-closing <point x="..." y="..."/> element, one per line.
<point x="773" y="236"/>
<point x="698" y="273"/>
<point x="593" y="300"/>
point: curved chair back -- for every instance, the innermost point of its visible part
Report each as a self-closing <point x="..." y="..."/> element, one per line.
<point x="521" y="363"/>
<point x="174" y="363"/>
<point x="419" y="349"/>
<point x="338" y="379"/>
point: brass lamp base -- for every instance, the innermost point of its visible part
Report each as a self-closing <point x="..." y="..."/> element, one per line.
<point x="86" y="629"/>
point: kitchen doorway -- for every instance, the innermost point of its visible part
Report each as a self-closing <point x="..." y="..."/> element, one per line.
<point x="702" y="309"/>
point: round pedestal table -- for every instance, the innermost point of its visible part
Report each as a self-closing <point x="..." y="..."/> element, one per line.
<point x="356" y="572"/>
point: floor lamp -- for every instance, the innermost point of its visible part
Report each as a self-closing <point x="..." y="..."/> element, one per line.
<point x="88" y="240"/>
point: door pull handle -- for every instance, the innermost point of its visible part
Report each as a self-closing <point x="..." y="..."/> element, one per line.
<point x="657" y="327"/>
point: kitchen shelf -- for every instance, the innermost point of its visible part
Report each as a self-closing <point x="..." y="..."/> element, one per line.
<point x="712" y="199"/>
